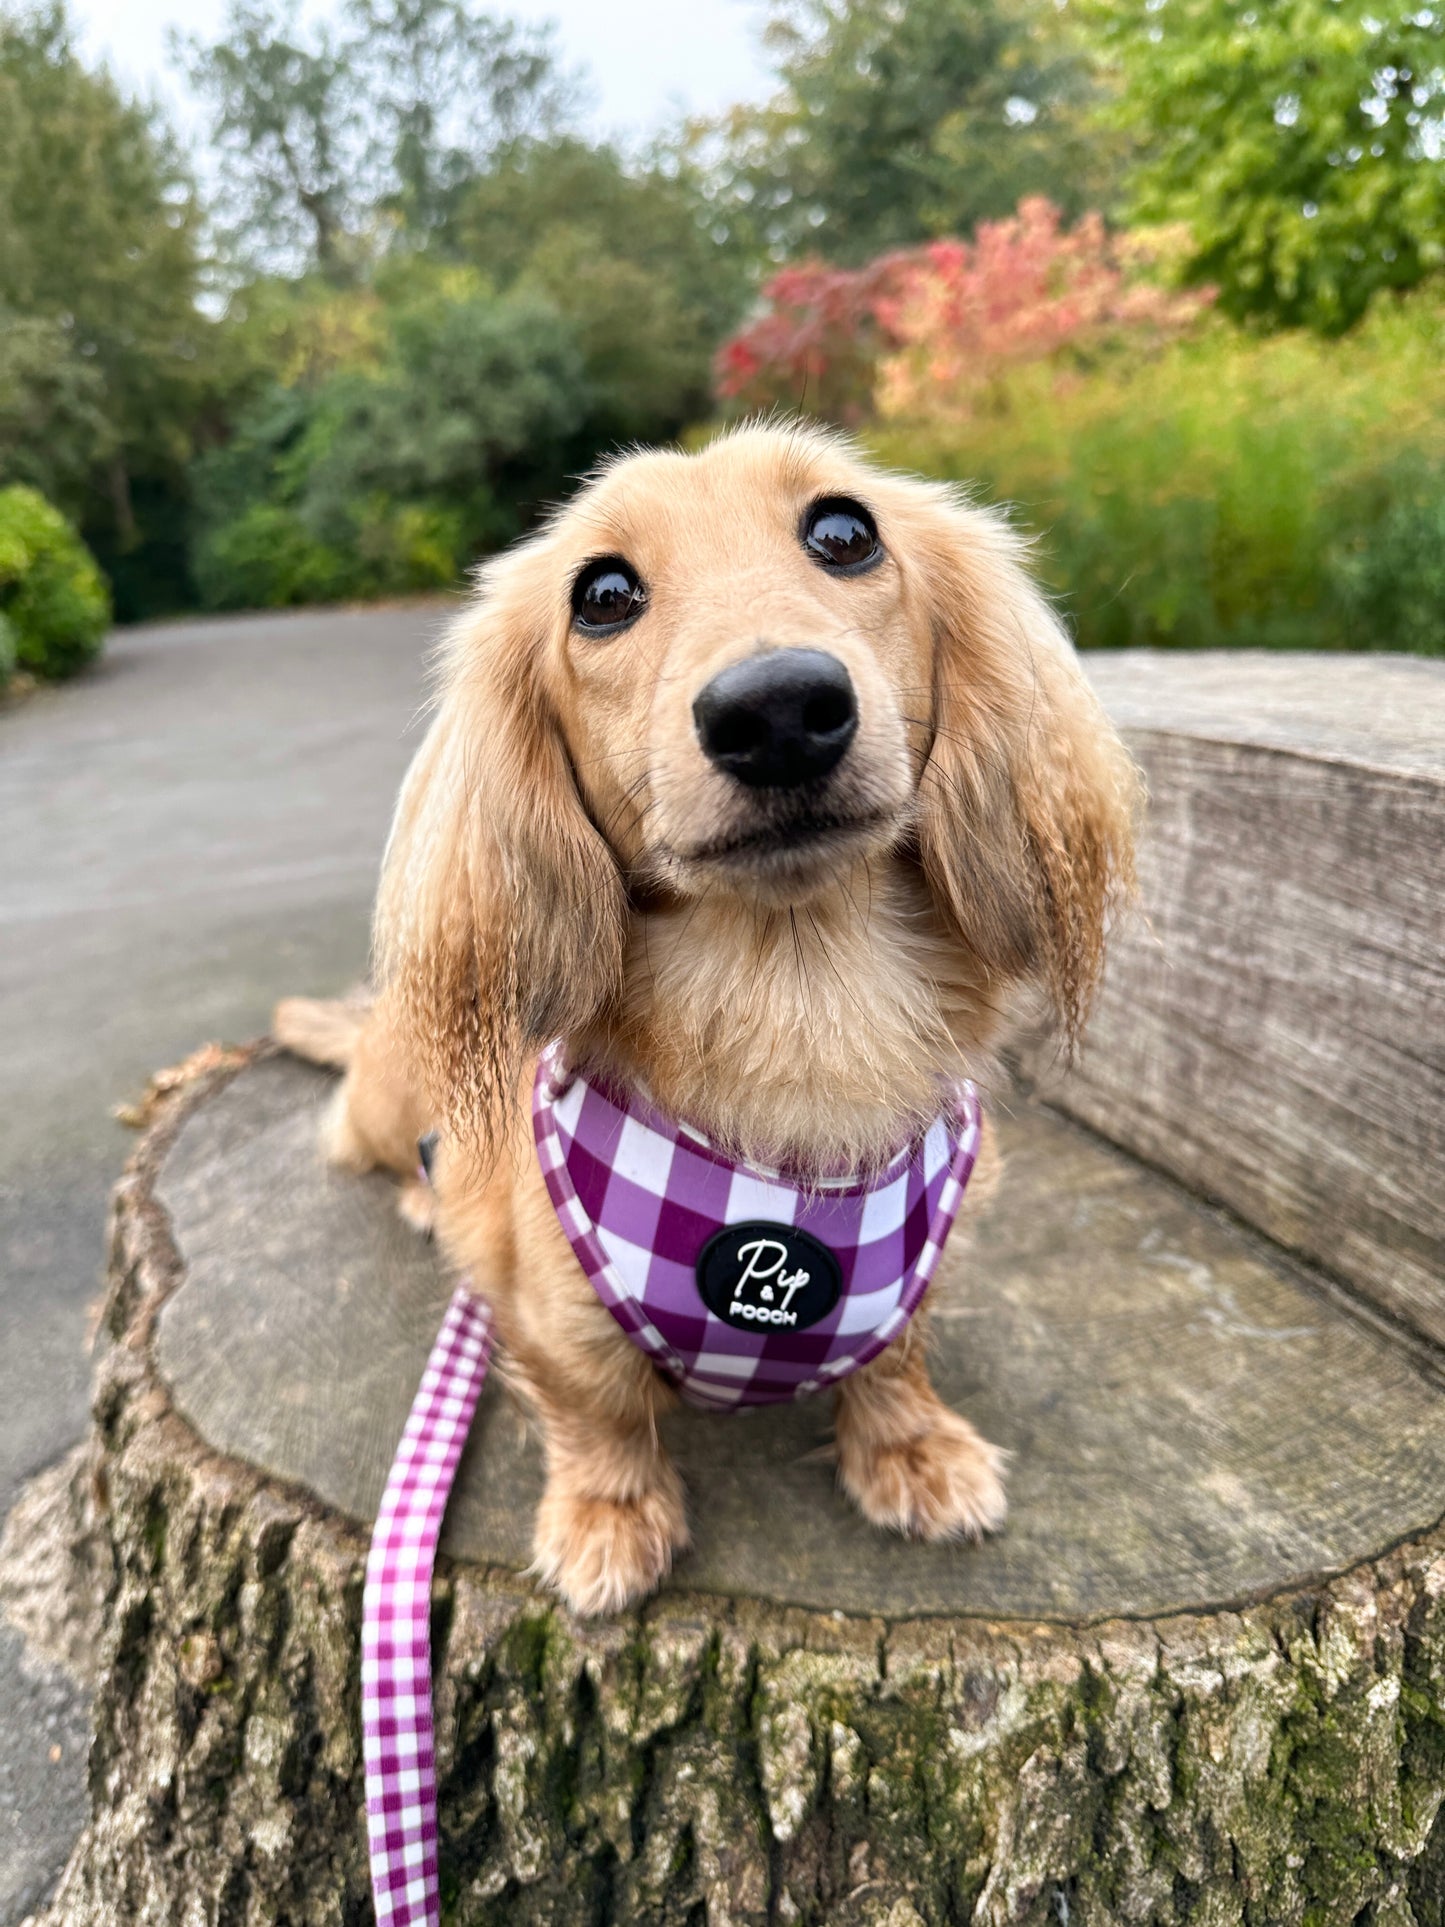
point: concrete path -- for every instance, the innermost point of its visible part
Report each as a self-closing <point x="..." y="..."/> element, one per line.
<point x="188" y="832"/>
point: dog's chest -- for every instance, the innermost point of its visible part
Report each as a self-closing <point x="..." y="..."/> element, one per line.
<point x="814" y="1029"/>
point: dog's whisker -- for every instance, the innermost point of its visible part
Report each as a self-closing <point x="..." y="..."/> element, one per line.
<point x="803" y="984"/>
<point x="627" y="799"/>
<point x="837" y="974"/>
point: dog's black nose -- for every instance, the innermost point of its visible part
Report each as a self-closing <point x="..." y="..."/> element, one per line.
<point x="779" y="719"/>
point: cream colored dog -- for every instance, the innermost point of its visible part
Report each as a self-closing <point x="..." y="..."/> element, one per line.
<point x="765" y="780"/>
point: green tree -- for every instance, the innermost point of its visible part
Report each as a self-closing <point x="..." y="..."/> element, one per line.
<point x="288" y="130"/>
<point x="475" y="408"/>
<point x="103" y="351"/>
<point x="337" y="141"/>
<point x="625" y="253"/>
<point x="448" y="89"/>
<point x="57" y="432"/>
<point x="899" y="122"/>
<point x="1300" y="140"/>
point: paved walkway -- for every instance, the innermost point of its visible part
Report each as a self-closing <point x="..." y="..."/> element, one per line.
<point x="188" y="832"/>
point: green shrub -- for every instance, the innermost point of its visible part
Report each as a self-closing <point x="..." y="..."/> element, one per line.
<point x="388" y="470"/>
<point x="264" y="558"/>
<point x="268" y="558"/>
<point x="1228" y="492"/>
<point x="54" y="606"/>
<point x="1389" y="576"/>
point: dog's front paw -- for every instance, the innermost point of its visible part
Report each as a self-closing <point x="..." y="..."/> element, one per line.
<point x="604" y="1554"/>
<point x="944" y="1483"/>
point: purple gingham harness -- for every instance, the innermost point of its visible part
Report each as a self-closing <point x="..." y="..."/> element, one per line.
<point x="642" y="1199"/>
<point x="742" y="1285"/>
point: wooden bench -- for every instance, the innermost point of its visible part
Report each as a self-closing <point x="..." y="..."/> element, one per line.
<point x="1199" y="1678"/>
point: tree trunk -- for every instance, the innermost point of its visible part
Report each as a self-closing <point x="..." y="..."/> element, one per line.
<point x="121" y="504"/>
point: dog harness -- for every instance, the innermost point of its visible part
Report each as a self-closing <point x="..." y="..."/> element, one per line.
<point x="742" y="1284"/>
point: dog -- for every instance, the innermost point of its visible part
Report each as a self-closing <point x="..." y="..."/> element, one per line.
<point x="769" y="783"/>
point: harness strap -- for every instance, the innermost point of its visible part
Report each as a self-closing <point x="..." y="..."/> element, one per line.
<point x="399" y="1741"/>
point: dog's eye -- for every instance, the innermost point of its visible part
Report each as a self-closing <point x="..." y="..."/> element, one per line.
<point x="842" y="535"/>
<point x="607" y="596"/>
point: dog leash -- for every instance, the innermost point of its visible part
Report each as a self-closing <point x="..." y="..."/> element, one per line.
<point x="398" y="1734"/>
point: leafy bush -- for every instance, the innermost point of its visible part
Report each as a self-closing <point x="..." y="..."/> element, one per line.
<point x="1023" y="290"/>
<point x="386" y="474"/>
<point x="54" y="606"/>
<point x="927" y="329"/>
<point x="818" y="342"/>
<point x="1227" y="492"/>
<point x="1390" y="575"/>
<point x="266" y="559"/>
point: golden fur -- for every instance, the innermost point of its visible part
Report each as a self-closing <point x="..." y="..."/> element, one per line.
<point x="566" y="861"/>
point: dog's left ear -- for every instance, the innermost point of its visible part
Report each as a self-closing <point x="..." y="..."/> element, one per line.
<point x="1028" y="800"/>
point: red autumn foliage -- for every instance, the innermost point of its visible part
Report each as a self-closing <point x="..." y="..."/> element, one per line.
<point x="928" y="328"/>
<point x="819" y="340"/>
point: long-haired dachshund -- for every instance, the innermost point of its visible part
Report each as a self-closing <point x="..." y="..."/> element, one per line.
<point x="764" y="781"/>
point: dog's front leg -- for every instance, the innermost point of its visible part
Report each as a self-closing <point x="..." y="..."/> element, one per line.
<point x="612" y="1515"/>
<point x="906" y="1459"/>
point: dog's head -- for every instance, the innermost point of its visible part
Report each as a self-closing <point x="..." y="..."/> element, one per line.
<point x="742" y="672"/>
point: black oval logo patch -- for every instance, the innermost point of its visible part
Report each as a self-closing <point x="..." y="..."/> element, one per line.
<point x="768" y="1277"/>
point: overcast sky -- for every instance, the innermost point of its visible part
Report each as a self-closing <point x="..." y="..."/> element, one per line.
<point x="650" y="60"/>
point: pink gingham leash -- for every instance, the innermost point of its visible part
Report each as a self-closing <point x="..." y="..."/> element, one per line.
<point x="399" y="1741"/>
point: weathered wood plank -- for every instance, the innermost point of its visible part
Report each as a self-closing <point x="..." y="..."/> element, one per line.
<point x="1274" y="1035"/>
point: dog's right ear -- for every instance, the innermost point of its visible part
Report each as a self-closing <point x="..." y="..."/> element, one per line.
<point x="500" y="917"/>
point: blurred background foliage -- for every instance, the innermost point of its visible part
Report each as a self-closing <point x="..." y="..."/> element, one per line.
<point x="1168" y="276"/>
<point x="54" y="608"/>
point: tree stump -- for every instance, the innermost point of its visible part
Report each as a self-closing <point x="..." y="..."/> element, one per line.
<point x="1200" y="1678"/>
